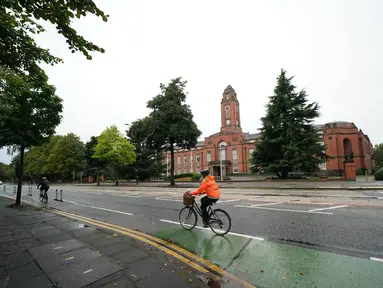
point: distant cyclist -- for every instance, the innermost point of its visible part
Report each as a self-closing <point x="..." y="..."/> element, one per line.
<point x="43" y="185"/>
<point x="210" y="188"/>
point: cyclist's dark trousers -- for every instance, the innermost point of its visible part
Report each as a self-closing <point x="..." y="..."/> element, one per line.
<point x="44" y="189"/>
<point x="206" y="202"/>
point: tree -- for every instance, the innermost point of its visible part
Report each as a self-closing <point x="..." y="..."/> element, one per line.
<point x="19" y="51"/>
<point x="378" y="155"/>
<point x="113" y="148"/>
<point x="29" y="113"/>
<point x="93" y="164"/>
<point x="149" y="161"/>
<point x="171" y="121"/>
<point x="67" y="156"/>
<point x="289" y="141"/>
<point x="3" y="171"/>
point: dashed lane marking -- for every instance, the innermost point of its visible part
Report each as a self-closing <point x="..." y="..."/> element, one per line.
<point x="227" y="201"/>
<point x="87" y="271"/>
<point x="328" y="208"/>
<point x="266" y="204"/>
<point x="168" y="199"/>
<point x="376" y="259"/>
<point x="286" y="210"/>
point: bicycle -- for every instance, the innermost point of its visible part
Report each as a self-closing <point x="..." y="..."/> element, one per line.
<point x="43" y="196"/>
<point x="191" y="209"/>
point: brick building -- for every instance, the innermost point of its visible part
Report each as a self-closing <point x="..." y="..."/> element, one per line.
<point x="341" y="138"/>
<point x="229" y="149"/>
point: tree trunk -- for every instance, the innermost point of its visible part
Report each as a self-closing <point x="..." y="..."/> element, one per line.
<point x="116" y="176"/>
<point x="21" y="175"/>
<point x="172" y="183"/>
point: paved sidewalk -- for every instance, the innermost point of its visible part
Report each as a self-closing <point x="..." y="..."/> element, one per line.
<point x="42" y="249"/>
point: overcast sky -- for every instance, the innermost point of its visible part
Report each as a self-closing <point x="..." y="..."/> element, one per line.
<point x="333" y="47"/>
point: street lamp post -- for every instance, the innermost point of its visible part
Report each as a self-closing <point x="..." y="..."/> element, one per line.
<point x="220" y="157"/>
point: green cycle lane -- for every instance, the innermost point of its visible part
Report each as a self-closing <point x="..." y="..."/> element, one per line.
<point x="269" y="264"/>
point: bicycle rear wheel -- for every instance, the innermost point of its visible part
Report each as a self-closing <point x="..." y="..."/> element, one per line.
<point x="188" y="218"/>
<point x="46" y="197"/>
<point x="220" y="222"/>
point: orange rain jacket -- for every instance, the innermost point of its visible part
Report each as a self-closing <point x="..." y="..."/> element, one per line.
<point x="210" y="187"/>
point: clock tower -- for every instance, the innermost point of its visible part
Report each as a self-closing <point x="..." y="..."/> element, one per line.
<point x="230" y="116"/>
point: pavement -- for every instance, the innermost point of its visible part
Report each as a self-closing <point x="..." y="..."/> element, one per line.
<point x="275" y="241"/>
<point x="43" y="249"/>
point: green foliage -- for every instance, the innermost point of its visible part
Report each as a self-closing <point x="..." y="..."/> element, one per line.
<point x="379" y="175"/>
<point x="29" y="112"/>
<point x="3" y="171"/>
<point x="378" y="155"/>
<point x="171" y="121"/>
<point x="113" y="148"/>
<point x="67" y="156"/>
<point x="289" y="141"/>
<point x="149" y="160"/>
<point x="192" y="176"/>
<point x="19" y="51"/>
<point x="93" y="166"/>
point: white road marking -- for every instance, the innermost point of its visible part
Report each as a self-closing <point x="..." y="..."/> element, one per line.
<point x="329" y="208"/>
<point x="266" y="204"/>
<point x="381" y="192"/>
<point x="226" y="201"/>
<point x="287" y="210"/>
<point x="100" y="208"/>
<point x="59" y="247"/>
<point x="376" y="259"/>
<point x="98" y="193"/>
<point x="70" y="258"/>
<point x="230" y="233"/>
<point x="167" y="199"/>
<point x="87" y="271"/>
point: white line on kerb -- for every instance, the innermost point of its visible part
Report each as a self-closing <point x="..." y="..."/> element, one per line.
<point x="57" y="248"/>
<point x="376" y="259"/>
<point x="230" y="233"/>
<point x="266" y="204"/>
<point x="87" y="271"/>
<point x="99" y="208"/>
<point x="69" y="258"/>
<point x="328" y="208"/>
<point x="287" y="210"/>
<point x="128" y="196"/>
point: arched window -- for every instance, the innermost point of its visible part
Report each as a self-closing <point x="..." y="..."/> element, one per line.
<point x="347" y="146"/>
<point x="222" y="150"/>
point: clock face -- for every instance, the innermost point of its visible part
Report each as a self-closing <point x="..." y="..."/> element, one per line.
<point x="227" y="108"/>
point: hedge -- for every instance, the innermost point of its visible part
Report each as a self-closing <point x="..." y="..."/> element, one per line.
<point x="379" y="175"/>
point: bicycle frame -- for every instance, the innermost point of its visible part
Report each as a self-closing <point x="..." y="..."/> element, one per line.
<point x="209" y="211"/>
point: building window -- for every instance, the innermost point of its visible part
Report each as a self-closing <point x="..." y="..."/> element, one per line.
<point x="208" y="156"/>
<point x="237" y="122"/>
<point x="323" y="166"/>
<point x="235" y="160"/>
<point x="227" y="122"/>
<point x="227" y="96"/>
<point x="197" y="163"/>
<point x="191" y="162"/>
<point x="222" y="151"/>
<point x="179" y="170"/>
<point x="185" y="160"/>
<point x="179" y="160"/>
<point x="251" y="150"/>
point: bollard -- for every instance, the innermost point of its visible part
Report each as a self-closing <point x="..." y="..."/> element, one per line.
<point x="5" y="189"/>
<point x="57" y="195"/>
<point x="30" y="191"/>
<point x="61" y="195"/>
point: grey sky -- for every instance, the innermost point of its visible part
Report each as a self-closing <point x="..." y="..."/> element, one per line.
<point x="334" y="47"/>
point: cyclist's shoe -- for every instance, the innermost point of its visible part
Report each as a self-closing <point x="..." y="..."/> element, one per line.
<point x="206" y="224"/>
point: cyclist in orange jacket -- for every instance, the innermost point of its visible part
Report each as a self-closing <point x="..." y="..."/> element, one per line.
<point x="210" y="188"/>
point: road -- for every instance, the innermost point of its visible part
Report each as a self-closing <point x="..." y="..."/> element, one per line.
<point x="324" y="226"/>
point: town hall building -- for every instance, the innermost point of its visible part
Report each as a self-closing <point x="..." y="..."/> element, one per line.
<point x="229" y="150"/>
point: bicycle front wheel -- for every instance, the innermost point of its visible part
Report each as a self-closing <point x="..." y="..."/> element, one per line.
<point x="188" y="218"/>
<point x="46" y="198"/>
<point x="220" y="222"/>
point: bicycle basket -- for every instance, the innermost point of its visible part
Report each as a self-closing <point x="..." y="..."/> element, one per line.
<point x="188" y="200"/>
